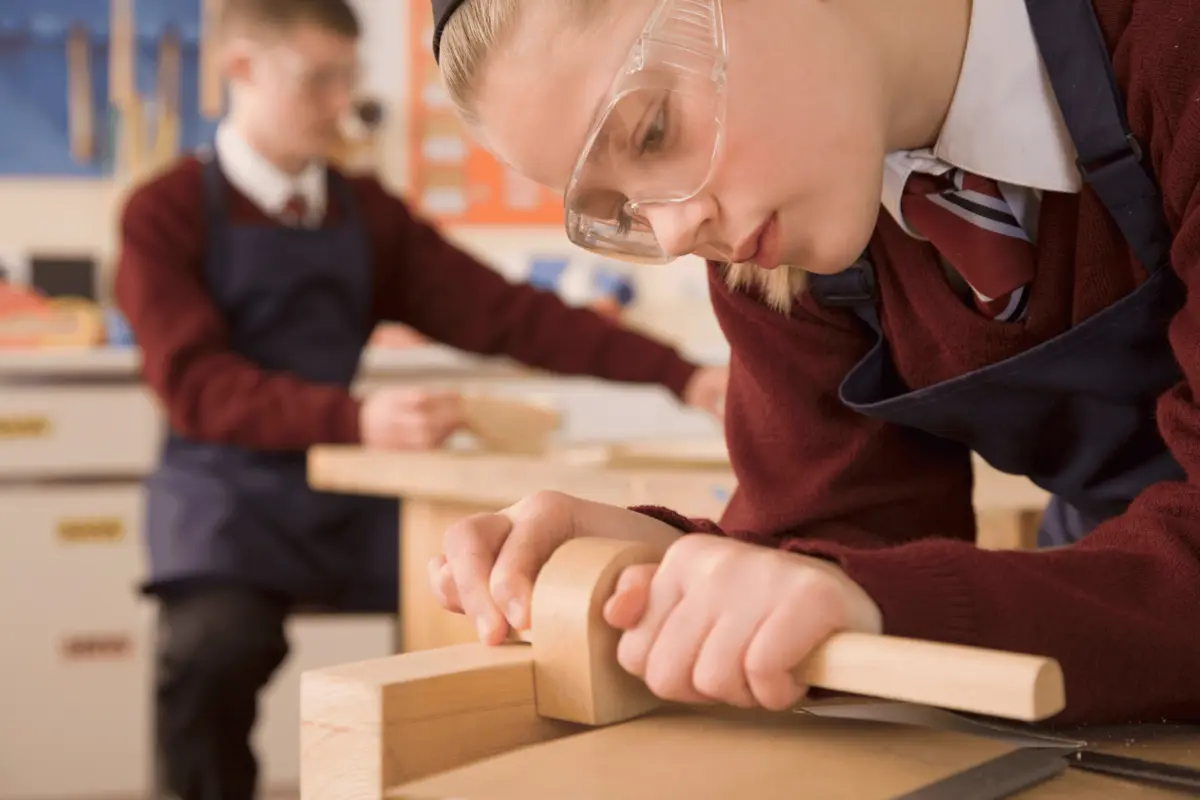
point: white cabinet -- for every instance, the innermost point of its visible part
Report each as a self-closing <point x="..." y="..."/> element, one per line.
<point x="76" y="664"/>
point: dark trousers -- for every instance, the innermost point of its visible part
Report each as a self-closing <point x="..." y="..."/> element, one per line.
<point x="218" y="646"/>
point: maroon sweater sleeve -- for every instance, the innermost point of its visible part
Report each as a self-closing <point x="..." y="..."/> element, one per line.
<point x="1119" y="609"/>
<point x="208" y="391"/>
<point x="441" y="291"/>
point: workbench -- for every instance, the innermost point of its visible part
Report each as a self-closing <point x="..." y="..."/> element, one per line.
<point x="557" y="717"/>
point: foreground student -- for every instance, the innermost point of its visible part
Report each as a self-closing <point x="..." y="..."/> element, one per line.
<point x="1007" y="302"/>
<point x="252" y="280"/>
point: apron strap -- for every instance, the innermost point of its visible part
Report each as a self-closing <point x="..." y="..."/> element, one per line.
<point x="214" y="188"/>
<point x="1111" y="160"/>
<point x="340" y="191"/>
<point x="854" y="288"/>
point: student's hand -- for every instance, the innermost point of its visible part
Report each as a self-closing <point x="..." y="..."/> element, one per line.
<point x="490" y="561"/>
<point x="724" y="621"/>
<point x="409" y="419"/>
<point x="706" y="390"/>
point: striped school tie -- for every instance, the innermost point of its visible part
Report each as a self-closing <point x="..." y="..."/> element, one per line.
<point x="972" y="226"/>
<point x="295" y="211"/>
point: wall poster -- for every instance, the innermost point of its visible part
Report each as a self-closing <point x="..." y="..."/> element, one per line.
<point x="454" y="181"/>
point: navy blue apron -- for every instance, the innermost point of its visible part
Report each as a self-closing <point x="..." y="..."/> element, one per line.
<point x="295" y="300"/>
<point x="1076" y="413"/>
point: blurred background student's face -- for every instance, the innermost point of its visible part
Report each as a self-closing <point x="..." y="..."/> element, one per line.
<point x="291" y="88"/>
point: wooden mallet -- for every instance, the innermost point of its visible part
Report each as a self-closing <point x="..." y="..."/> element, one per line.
<point x="577" y="677"/>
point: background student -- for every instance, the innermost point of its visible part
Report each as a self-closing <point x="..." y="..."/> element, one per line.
<point x="252" y="279"/>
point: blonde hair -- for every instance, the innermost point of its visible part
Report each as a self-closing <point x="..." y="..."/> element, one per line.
<point x="480" y="27"/>
<point x="779" y="287"/>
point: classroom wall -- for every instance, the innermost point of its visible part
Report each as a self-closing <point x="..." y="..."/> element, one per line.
<point x="66" y="216"/>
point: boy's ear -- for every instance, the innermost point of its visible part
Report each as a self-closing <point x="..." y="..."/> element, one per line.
<point x="236" y="57"/>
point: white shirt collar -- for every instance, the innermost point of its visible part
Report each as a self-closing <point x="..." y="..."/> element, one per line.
<point x="262" y="182"/>
<point x="1004" y="122"/>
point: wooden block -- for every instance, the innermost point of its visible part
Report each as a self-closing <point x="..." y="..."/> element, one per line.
<point x="375" y="724"/>
<point x="579" y="679"/>
<point x="510" y="426"/>
<point x="574" y="650"/>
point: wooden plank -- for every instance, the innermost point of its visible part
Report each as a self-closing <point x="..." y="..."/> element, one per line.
<point x="499" y="480"/>
<point x="374" y="724"/>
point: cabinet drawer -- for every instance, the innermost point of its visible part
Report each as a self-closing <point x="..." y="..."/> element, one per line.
<point x="71" y="554"/>
<point x="77" y="713"/>
<point x="77" y="431"/>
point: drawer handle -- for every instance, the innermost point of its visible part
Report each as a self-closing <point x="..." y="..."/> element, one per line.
<point x="91" y="529"/>
<point x="96" y="646"/>
<point x="24" y="426"/>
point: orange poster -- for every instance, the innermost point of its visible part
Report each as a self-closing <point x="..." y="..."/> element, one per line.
<point x="454" y="181"/>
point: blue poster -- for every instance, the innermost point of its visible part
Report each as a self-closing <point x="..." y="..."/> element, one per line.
<point x="34" y="119"/>
<point x="34" y="131"/>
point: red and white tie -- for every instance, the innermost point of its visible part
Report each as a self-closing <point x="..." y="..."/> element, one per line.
<point x="966" y="218"/>
<point x="295" y="211"/>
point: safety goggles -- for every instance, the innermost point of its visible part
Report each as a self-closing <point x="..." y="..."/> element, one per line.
<point x="656" y="138"/>
<point x="316" y="80"/>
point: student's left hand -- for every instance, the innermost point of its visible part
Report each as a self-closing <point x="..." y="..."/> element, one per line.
<point x="706" y="390"/>
<point x="724" y="621"/>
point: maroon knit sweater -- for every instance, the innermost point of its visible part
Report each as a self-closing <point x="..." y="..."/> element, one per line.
<point x="211" y="393"/>
<point x="1121" y="610"/>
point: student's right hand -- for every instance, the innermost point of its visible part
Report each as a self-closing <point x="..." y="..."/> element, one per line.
<point x="490" y="561"/>
<point x="409" y="419"/>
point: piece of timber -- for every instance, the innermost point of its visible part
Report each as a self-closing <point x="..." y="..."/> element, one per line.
<point x="504" y="425"/>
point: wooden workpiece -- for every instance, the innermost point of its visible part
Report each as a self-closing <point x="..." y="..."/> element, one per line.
<point x="471" y="721"/>
<point x="510" y="426"/>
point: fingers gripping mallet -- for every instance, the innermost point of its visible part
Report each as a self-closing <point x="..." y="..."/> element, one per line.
<point x="577" y="677"/>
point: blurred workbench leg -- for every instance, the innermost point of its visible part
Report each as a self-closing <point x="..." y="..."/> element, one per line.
<point x="1007" y="528"/>
<point x="424" y="624"/>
